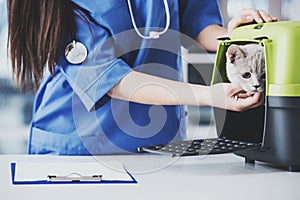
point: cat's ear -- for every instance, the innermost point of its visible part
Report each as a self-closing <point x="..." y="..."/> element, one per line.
<point x="234" y="52"/>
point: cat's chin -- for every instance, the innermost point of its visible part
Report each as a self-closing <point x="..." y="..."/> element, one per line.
<point x="254" y="91"/>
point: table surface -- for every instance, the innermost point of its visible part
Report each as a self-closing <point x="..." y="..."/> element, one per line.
<point x="162" y="177"/>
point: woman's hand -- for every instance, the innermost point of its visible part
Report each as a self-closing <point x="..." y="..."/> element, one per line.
<point x="228" y="96"/>
<point x="250" y="15"/>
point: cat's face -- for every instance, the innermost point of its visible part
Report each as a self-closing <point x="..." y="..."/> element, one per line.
<point x="246" y="66"/>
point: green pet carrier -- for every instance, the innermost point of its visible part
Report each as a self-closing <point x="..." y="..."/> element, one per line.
<point x="275" y="125"/>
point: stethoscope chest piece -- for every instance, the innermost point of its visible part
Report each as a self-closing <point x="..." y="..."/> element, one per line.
<point x="75" y="52"/>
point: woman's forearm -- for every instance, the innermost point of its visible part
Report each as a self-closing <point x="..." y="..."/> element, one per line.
<point x="147" y="89"/>
<point x="208" y="38"/>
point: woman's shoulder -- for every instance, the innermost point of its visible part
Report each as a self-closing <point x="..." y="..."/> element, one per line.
<point x="99" y="8"/>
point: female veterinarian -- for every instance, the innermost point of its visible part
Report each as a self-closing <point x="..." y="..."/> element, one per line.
<point x="113" y="79"/>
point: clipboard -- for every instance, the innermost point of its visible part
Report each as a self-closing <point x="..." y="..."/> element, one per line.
<point x="109" y="176"/>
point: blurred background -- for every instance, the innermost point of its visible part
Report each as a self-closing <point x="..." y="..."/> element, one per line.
<point x="16" y="108"/>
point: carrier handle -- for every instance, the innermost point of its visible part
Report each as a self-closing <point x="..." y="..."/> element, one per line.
<point x="261" y="38"/>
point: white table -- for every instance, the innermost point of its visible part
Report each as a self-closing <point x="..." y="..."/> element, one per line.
<point x="163" y="177"/>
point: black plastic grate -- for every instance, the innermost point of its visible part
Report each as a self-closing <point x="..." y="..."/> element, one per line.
<point x="200" y="147"/>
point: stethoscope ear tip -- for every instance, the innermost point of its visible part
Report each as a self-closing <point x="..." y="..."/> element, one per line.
<point x="75" y="52"/>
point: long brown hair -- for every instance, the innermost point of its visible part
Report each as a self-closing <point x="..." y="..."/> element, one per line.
<point x="36" y="28"/>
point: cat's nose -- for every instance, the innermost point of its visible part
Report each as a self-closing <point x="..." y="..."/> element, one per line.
<point x="256" y="86"/>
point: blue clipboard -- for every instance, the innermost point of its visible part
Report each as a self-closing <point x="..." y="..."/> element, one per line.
<point x="39" y="182"/>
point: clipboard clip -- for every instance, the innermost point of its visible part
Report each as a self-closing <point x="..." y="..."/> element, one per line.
<point x="74" y="177"/>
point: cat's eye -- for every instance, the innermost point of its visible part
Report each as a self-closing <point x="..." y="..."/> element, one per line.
<point x="263" y="76"/>
<point x="246" y="75"/>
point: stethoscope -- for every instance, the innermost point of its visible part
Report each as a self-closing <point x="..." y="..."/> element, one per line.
<point x="76" y="52"/>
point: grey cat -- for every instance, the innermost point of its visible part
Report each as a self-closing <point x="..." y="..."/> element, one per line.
<point x="245" y="66"/>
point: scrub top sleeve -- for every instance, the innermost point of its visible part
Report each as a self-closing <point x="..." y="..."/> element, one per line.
<point x="96" y="92"/>
<point x="196" y="15"/>
<point x="92" y="83"/>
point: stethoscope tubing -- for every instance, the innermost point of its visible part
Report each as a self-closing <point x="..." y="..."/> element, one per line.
<point x="152" y="34"/>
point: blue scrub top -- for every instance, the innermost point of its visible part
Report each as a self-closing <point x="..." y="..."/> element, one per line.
<point x="72" y="113"/>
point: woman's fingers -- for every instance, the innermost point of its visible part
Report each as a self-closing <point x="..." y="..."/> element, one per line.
<point x="250" y="15"/>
